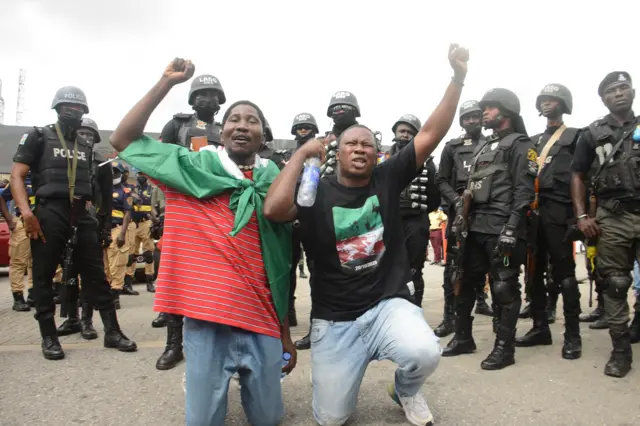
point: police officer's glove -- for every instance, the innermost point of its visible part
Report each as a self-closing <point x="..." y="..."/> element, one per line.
<point x="507" y="240"/>
<point x="105" y="238"/>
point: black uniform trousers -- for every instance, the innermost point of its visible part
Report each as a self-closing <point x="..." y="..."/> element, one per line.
<point x="53" y="215"/>
<point x="296" y="254"/>
<point x="552" y="245"/>
<point x="416" y="234"/>
<point x="481" y="258"/>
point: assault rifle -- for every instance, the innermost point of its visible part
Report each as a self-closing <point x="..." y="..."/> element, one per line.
<point x="69" y="274"/>
<point x="533" y="222"/>
<point x="459" y="231"/>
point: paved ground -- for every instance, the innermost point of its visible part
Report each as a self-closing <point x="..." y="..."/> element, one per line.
<point x="95" y="386"/>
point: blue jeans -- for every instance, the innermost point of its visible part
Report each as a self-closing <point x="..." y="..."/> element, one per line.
<point x="214" y="352"/>
<point x="395" y="330"/>
<point x="636" y="278"/>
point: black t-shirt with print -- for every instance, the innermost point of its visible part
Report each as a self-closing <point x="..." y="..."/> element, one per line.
<point x="354" y="237"/>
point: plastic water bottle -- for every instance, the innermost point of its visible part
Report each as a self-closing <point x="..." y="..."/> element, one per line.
<point x="309" y="183"/>
<point x="286" y="357"/>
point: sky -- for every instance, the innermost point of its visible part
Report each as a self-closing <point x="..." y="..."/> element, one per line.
<point x="291" y="56"/>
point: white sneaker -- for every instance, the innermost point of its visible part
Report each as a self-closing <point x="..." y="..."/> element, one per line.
<point x="415" y="407"/>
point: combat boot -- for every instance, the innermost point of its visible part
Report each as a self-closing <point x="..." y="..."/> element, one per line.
<point x="503" y="353"/>
<point x="540" y="334"/>
<point x="72" y="323"/>
<point x="86" y="323"/>
<point x="127" y="288"/>
<point x="113" y="336"/>
<point x="51" y="348"/>
<point x="482" y="308"/>
<point x="462" y="342"/>
<point x="150" y="287"/>
<point x="634" y="328"/>
<point x="552" y="302"/>
<point x="572" y="347"/>
<point x="495" y="321"/>
<point x="448" y="324"/>
<point x="172" y="354"/>
<point x="619" y="363"/>
<point x="304" y="343"/>
<point x="30" y="300"/>
<point x="19" y="305"/>
<point x="526" y="311"/>
<point x="596" y="314"/>
<point x="160" y="321"/>
<point x="600" y="322"/>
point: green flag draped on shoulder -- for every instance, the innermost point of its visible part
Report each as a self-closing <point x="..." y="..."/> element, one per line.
<point x="207" y="173"/>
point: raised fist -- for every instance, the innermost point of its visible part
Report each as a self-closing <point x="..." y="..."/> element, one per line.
<point x="179" y="71"/>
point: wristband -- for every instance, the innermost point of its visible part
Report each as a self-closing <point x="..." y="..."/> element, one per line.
<point x="582" y="216"/>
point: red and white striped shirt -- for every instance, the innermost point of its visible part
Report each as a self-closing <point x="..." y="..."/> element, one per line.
<point x="209" y="275"/>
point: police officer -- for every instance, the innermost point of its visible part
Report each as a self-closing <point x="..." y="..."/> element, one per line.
<point x="501" y="180"/>
<point x="141" y="217"/>
<point x="118" y="251"/>
<point x="452" y="177"/>
<point x="416" y="202"/>
<point x="609" y="152"/>
<point x="343" y="110"/>
<point x="267" y="152"/>
<point x="61" y="165"/>
<point x="130" y="269"/>
<point x="19" y="249"/>
<point x="205" y="97"/>
<point x="101" y="184"/>
<point x="555" y="148"/>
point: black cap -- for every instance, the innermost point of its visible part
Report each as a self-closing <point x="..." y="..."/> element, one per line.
<point x="611" y="78"/>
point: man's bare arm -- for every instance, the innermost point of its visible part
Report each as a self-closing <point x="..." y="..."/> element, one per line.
<point x="19" y="172"/>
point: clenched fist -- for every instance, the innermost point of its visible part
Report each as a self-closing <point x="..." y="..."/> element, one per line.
<point x="179" y="71"/>
<point x="458" y="58"/>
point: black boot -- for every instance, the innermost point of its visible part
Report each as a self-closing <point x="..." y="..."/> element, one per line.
<point x="503" y="353"/>
<point x="495" y="321"/>
<point x="293" y="319"/>
<point x="552" y="302"/>
<point x="72" y="323"/>
<point x="150" y="287"/>
<point x="481" y="304"/>
<point x="634" y="328"/>
<point x="160" y="321"/>
<point x="113" y="336"/>
<point x="596" y="314"/>
<point x="526" y="311"/>
<point x="127" y="288"/>
<point x="51" y="348"/>
<point x="304" y="343"/>
<point x="447" y="326"/>
<point x="539" y="334"/>
<point x="172" y="354"/>
<point x="30" y="300"/>
<point x="462" y="342"/>
<point x="86" y="323"/>
<point x="19" y="304"/>
<point x="572" y="348"/>
<point x="116" y="298"/>
<point x="619" y="363"/>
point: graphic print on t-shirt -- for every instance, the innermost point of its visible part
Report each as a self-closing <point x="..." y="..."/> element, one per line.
<point x="359" y="235"/>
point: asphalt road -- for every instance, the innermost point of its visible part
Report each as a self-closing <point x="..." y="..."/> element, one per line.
<point x="97" y="386"/>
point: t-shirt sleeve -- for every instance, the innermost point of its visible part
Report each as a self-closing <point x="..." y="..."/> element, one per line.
<point x="29" y="149"/>
<point x="584" y="153"/>
<point x="400" y="169"/>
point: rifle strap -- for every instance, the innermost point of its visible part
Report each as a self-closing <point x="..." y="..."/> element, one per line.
<point x="613" y="152"/>
<point x="552" y="141"/>
<point x="72" y="165"/>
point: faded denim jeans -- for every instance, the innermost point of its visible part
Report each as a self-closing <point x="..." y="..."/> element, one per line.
<point x="214" y="352"/>
<point x="395" y="330"/>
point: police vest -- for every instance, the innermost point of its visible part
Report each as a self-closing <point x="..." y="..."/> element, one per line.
<point x="142" y="207"/>
<point x="53" y="181"/>
<point x="490" y="178"/>
<point x="620" y="178"/>
<point x="414" y="196"/>
<point x="119" y="197"/>
<point x="191" y="127"/>
<point x="330" y="164"/>
<point x="555" y="175"/>
<point x="462" y="151"/>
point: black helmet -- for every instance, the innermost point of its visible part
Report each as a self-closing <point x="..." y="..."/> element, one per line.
<point x="91" y="124"/>
<point x="304" y="118"/>
<point x="504" y="98"/>
<point x="468" y="107"/>
<point x="268" y="134"/>
<point x="409" y="119"/>
<point x="70" y="95"/>
<point x="556" y="91"/>
<point x="204" y="82"/>
<point x="343" y="98"/>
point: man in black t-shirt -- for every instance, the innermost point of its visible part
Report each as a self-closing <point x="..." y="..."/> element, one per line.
<point x="362" y="289"/>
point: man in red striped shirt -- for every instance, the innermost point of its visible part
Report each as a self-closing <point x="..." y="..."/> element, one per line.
<point x="224" y="267"/>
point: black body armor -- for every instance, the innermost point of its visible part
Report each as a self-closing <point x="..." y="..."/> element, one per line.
<point x="190" y="127"/>
<point x="555" y="174"/>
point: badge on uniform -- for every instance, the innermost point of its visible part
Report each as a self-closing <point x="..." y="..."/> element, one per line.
<point x="130" y="201"/>
<point x="201" y="124"/>
<point x="23" y="139"/>
<point x="468" y="142"/>
<point x="115" y="195"/>
<point x="532" y="156"/>
<point x="494" y="145"/>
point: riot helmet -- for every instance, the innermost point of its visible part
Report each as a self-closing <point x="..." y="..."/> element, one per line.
<point x="204" y="82"/>
<point x="504" y="99"/>
<point x="70" y="95"/>
<point x="304" y="118"/>
<point x="468" y="107"/>
<point x="559" y="92"/>
<point x="410" y="120"/>
<point x="268" y="134"/>
<point x="91" y="125"/>
<point x="345" y="98"/>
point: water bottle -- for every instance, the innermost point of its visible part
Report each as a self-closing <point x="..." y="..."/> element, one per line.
<point x="309" y="183"/>
<point x="286" y="357"/>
